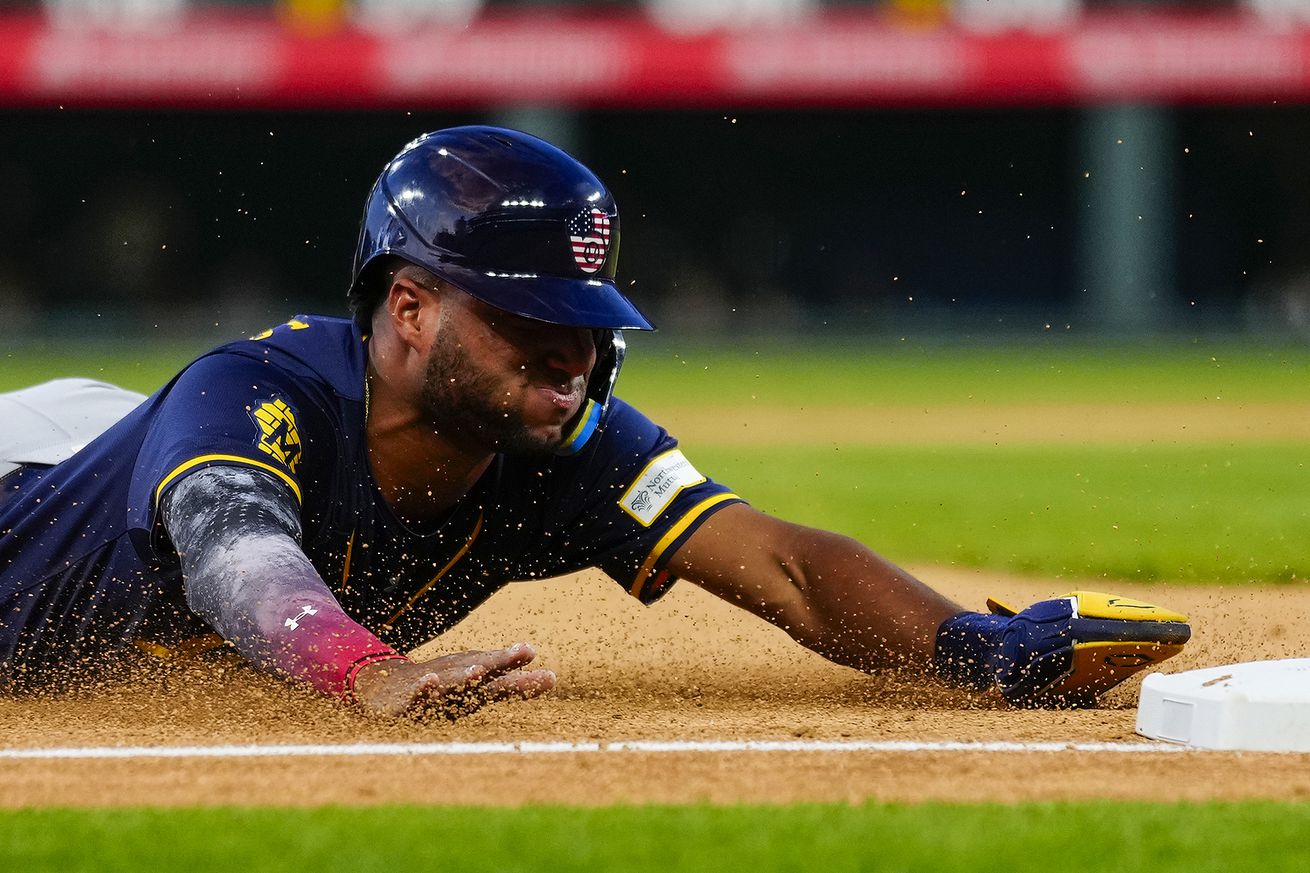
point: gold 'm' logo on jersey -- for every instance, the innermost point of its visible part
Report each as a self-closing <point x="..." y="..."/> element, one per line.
<point x="294" y="324"/>
<point x="278" y="435"/>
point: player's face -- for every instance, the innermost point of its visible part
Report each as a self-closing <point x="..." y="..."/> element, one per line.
<point x="500" y="382"/>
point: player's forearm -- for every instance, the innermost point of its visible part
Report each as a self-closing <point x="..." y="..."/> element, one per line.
<point x="862" y="610"/>
<point x="831" y="593"/>
<point x="245" y="573"/>
<point x="279" y="614"/>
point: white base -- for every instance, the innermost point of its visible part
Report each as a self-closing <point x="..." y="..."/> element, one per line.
<point x="1259" y="706"/>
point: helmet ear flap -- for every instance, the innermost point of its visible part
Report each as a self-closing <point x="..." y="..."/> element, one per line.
<point x="610" y="348"/>
<point x="610" y="351"/>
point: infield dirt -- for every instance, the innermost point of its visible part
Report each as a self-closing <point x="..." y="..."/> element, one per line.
<point x="693" y="667"/>
<point x="690" y="667"/>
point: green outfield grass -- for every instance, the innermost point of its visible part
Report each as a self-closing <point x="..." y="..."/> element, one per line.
<point x="1205" y="513"/>
<point x="142" y="365"/>
<point x="1191" y="513"/>
<point x="1109" y="836"/>
<point x="795" y="373"/>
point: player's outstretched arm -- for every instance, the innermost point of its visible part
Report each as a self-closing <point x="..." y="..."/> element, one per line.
<point x="831" y="593"/>
<point x="237" y="531"/>
<point x="840" y="599"/>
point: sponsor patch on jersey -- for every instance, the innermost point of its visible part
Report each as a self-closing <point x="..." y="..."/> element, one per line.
<point x="278" y="436"/>
<point x="662" y="480"/>
<point x="589" y="234"/>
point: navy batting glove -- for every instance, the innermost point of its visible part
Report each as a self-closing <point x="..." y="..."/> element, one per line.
<point x="1062" y="652"/>
<point x="1036" y="651"/>
<point x="967" y="645"/>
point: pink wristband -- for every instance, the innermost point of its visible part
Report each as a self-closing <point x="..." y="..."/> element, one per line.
<point x="327" y="649"/>
<point x="348" y="692"/>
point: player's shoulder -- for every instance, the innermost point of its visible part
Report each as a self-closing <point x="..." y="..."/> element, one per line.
<point x="624" y="425"/>
<point x="311" y="348"/>
<point x="616" y="437"/>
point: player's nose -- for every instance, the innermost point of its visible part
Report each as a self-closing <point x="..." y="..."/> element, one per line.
<point x="571" y="351"/>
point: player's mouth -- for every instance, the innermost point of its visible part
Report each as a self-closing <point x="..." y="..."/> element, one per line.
<point x="565" y="398"/>
<point x="560" y="399"/>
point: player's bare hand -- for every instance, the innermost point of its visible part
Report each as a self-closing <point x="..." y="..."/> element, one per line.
<point x="452" y="685"/>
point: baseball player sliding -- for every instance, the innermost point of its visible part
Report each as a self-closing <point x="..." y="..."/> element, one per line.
<point x="331" y="493"/>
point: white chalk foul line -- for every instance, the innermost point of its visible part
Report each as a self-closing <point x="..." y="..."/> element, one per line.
<point x="567" y="748"/>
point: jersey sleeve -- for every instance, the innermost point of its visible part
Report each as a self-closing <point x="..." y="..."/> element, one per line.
<point x="225" y="409"/>
<point x="638" y="500"/>
<point x="237" y="532"/>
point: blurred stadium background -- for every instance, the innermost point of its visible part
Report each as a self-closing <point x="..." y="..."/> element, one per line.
<point x="958" y="167"/>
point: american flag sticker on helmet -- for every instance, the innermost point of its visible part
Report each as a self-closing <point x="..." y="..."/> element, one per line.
<point x="589" y="234"/>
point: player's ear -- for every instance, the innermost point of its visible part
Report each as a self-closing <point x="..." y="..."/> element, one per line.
<point x="411" y="309"/>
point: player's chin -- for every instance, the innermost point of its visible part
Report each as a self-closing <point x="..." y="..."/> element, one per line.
<point x="549" y="436"/>
<point x="532" y="441"/>
<point x="535" y="434"/>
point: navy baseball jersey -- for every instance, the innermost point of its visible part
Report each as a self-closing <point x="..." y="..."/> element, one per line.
<point x="86" y="568"/>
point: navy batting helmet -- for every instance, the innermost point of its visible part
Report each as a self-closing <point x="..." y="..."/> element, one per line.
<point x="505" y="217"/>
